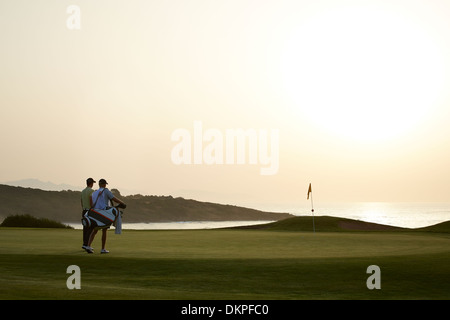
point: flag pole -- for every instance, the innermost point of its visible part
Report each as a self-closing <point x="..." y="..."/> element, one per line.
<point x="312" y="206"/>
<point x="312" y="211"/>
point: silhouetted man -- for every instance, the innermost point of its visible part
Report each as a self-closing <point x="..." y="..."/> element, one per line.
<point x="86" y="203"/>
<point x="101" y="199"/>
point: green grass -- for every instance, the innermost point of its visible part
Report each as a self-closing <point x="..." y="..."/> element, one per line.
<point x="225" y="264"/>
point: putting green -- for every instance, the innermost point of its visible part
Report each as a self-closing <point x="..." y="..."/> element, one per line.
<point x="225" y="264"/>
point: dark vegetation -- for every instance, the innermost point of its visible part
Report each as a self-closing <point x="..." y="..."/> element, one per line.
<point x="28" y="221"/>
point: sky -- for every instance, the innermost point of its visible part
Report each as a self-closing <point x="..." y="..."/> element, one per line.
<point x="238" y="102"/>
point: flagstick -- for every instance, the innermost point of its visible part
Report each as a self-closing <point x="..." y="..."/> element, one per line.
<point x="312" y="210"/>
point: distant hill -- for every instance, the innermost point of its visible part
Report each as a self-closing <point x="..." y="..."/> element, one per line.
<point x="38" y="184"/>
<point x="64" y="206"/>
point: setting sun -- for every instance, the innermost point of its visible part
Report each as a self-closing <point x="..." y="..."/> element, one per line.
<point x="362" y="74"/>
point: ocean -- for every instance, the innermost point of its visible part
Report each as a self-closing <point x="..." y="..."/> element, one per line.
<point x="400" y="214"/>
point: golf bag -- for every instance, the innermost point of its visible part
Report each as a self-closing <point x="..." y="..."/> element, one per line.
<point x="96" y="218"/>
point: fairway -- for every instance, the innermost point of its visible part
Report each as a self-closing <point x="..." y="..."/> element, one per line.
<point x="225" y="264"/>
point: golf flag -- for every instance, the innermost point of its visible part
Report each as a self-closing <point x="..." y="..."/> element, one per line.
<point x="312" y="206"/>
<point x="309" y="191"/>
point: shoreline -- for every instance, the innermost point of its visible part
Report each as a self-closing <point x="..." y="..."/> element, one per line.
<point x="183" y="225"/>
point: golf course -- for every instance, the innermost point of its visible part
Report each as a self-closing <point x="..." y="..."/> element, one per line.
<point x="282" y="260"/>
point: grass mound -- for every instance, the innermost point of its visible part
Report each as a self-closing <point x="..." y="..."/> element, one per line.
<point x="443" y="227"/>
<point x="28" y="221"/>
<point x="324" y="224"/>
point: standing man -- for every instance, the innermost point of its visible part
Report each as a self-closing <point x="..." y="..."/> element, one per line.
<point x="100" y="200"/>
<point x="86" y="202"/>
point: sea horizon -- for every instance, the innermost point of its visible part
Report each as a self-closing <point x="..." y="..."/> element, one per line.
<point x="398" y="214"/>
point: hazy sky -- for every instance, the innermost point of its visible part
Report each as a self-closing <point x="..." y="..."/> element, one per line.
<point x="357" y="92"/>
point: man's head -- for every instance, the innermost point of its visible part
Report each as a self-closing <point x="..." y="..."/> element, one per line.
<point x="90" y="182"/>
<point x="102" y="183"/>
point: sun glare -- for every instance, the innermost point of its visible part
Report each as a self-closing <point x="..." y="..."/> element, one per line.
<point x="363" y="74"/>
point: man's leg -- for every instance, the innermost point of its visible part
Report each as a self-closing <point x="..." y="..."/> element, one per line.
<point x="87" y="231"/>
<point x="85" y="237"/>
<point x="104" y="238"/>
<point x="92" y="235"/>
<point x="88" y="234"/>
